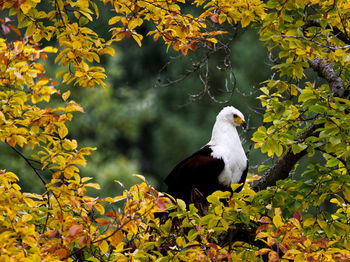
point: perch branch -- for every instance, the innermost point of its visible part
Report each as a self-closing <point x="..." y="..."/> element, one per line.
<point x="287" y="162"/>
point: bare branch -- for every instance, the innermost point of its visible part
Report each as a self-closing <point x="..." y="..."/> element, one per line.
<point x="30" y="164"/>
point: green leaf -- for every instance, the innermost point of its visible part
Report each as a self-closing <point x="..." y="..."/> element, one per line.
<point x="297" y="148"/>
<point x="181" y="204"/>
<point x="346" y="193"/>
<point x="318" y="109"/>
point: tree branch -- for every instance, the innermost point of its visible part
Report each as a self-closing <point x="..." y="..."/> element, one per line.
<point x="327" y="71"/>
<point x="285" y="164"/>
<point x="29" y="163"/>
<point x="336" y="31"/>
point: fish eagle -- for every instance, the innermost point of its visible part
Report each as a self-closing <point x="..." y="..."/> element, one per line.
<point x="215" y="166"/>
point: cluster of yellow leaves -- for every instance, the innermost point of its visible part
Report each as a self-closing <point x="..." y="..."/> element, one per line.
<point x="176" y="28"/>
<point x="31" y="222"/>
<point x="18" y="236"/>
<point x="79" y="45"/>
<point x="42" y="227"/>
<point x="242" y="11"/>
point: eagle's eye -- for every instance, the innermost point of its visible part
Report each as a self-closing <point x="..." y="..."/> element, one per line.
<point x="234" y="115"/>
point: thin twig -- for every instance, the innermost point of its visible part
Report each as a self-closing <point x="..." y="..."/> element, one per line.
<point x="30" y="164"/>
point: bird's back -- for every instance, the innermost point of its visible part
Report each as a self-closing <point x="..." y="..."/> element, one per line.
<point x="200" y="170"/>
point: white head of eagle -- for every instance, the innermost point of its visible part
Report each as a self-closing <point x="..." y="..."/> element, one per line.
<point x="217" y="165"/>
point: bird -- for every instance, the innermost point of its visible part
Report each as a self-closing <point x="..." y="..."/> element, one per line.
<point x="215" y="166"/>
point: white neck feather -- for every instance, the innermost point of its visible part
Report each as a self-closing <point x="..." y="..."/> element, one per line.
<point x="224" y="133"/>
<point x="227" y="146"/>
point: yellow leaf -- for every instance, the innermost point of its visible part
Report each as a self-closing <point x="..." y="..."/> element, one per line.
<point x="278" y="211"/>
<point x="70" y="144"/>
<point x="42" y="81"/>
<point x="293" y="91"/>
<point x="93" y="185"/>
<point x="100" y="208"/>
<point x="222" y="18"/>
<point x="30" y="202"/>
<point x="277" y="221"/>
<point x="85" y="179"/>
<point x="114" y="20"/>
<point x="20" y="140"/>
<point x="25" y="7"/>
<point x="309" y="221"/>
<point x="62" y="131"/>
<point x="321" y="222"/>
<point x="131" y="227"/>
<point x="118" y="198"/>
<point x="26" y="218"/>
<point x="104" y="247"/>
<point x="108" y="50"/>
<point x="138" y="38"/>
<point x="50" y="49"/>
<point x="70" y="171"/>
<point x="65" y="95"/>
<point x="213" y="40"/>
<point x="263" y="251"/>
<point x="140" y="176"/>
<point x="134" y="23"/>
<point x="30" y="29"/>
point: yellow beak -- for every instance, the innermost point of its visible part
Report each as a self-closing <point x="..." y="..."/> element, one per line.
<point x="240" y="122"/>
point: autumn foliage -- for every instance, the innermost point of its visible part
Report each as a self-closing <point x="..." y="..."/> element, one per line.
<point x="274" y="218"/>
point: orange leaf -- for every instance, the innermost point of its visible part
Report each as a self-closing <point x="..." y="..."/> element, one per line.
<point x="14" y="29"/>
<point x="184" y="50"/>
<point x="73" y="106"/>
<point x="265" y="220"/>
<point x="102" y="221"/>
<point x="62" y="253"/>
<point x="273" y="256"/>
<point x="75" y="229"/>
<point x="11" y="141"/>
<point x="111" y="214"/>
<point x="53" y="249"/>
<point x="263" y="251"/>
<point x="161" y="202"/>
<point x="116" y="238"/>
<point x="53" y="233"/>
<point x="321" y="242"/>
<point x="82" y="240"/>
<point x="298" y="215"/>
<point x="215" y="18"/>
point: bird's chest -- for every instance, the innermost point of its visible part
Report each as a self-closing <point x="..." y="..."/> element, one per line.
<point x="235" y="163"/>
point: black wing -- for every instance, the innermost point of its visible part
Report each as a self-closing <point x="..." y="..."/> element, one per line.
<point x="200" y="170"/>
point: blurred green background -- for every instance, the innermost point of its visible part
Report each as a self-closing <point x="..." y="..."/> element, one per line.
<point x="142" y="124"/>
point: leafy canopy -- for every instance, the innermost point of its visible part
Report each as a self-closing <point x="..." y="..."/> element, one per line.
<point x="277" y="220"/>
